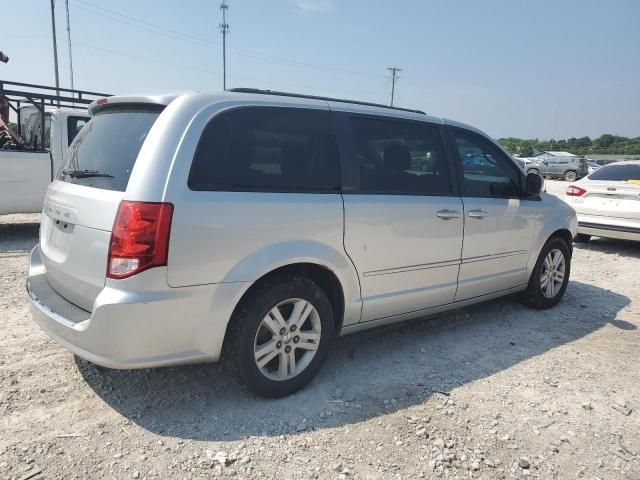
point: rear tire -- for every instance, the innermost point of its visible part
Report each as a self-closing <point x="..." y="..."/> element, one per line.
<point x="570" y="176"/>
<point x="275" y="359"/>
<point x="582" y="238"/>
<point x="550" y="275"/>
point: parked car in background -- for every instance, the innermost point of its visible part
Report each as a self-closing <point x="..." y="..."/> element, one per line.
<point x="608" y="202"/>
<point x="256" y="226"/>
<point x="569" y="169"/>
<point x="592" y="167"/>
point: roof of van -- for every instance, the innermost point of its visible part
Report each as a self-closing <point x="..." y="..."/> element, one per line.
<point x="241" y="94"/>
<point x="263" y="95"/>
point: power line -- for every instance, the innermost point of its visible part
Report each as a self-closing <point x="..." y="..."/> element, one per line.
<point x="269" y="84"/>
<point x="394" y="76"/>
<point x="224" y="29"/>
<point x="66" y="4"/>
<point x="2" y="35"/>
<point x="136" y="57"/>
<point x="143" y="22"/>
<point x="312" y="66"/>
<point x="161" y="30"/>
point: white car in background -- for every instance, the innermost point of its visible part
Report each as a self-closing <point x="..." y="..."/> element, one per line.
<point x="608" y="202"/>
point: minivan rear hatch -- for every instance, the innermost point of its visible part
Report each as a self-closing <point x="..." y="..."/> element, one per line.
<point x="82" y="202"/>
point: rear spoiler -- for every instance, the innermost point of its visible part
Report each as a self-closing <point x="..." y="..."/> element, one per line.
<point x="136" y="101"/>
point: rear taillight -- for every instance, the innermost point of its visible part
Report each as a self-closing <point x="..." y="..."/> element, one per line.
<point x="575" y="191"/>
<point x="140" y="238"/>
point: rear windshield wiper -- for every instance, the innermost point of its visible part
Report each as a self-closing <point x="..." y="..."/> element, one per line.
<point x="85" y="174"/>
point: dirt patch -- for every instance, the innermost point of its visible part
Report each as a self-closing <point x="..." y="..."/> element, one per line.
<point x="495" y="391"/>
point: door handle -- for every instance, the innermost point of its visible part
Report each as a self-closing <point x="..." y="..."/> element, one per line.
<point x="478" y="213"/>
<point x="447" y="214"/>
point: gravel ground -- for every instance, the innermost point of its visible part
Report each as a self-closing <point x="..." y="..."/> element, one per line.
<point x="494" y="391"/>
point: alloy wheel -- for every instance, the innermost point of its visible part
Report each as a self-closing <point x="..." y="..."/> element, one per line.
<point x="287" y="339"/>
<point x="552" y="274"/>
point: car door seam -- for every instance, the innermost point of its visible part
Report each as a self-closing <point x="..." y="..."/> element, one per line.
<point x="464" y="225"/>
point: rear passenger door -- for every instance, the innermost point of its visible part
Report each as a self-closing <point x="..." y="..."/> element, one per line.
<point x="403" y="217"/>
<point x="498" y="221"/>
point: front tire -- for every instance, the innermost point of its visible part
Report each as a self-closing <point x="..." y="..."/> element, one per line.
<point x="280" y="336"/>
<point x="550" y="275"/>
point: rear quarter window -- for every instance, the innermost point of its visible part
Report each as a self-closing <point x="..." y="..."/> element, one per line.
<point x="273" y="149"/>
<point x="104" y="152"/>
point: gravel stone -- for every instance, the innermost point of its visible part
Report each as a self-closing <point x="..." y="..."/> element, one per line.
<point x="477" y="392"/>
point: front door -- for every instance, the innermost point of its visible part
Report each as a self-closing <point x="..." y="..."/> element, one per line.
<point x="498" y="223"/>
<point x="403" y="218"/>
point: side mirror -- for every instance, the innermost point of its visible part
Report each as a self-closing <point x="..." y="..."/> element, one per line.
<point x="533" y="184"/>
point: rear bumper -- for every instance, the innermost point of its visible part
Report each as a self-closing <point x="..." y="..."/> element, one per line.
<point x="608" y="227"/>
<point x="152" y="326"/>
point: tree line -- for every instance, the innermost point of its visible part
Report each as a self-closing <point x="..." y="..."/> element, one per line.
<point x="604" y="144"/>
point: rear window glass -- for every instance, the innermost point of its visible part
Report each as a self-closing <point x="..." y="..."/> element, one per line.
<point x="274" y="149"/>
<point x="619" y="173"/>
<point x="102" y="155"/>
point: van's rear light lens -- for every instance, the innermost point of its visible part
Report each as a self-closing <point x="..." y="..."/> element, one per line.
<point x="101" y="101"/>
<point x="575" y="191"/>
<point x="140" y="238"/>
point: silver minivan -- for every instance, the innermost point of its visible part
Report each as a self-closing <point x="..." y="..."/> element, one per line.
<point x="254" y="227"/>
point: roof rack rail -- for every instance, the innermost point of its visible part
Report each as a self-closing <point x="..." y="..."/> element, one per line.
<point x="14" y="95"/>
<point x="42" y="95"/>
<point x="316" y="97"/>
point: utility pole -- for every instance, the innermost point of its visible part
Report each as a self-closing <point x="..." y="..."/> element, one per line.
<point x="394" y="76"/>
<point x="66" y="4"/>
<point x="55" y="47"/>
<point x="224" y="29"/>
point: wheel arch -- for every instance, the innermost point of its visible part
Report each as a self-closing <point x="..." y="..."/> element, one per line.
<point x="565" y="234"/>
<point x="534" y="295"/>
<point x="323" y="276"/>
<point x="557" y="219"/>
